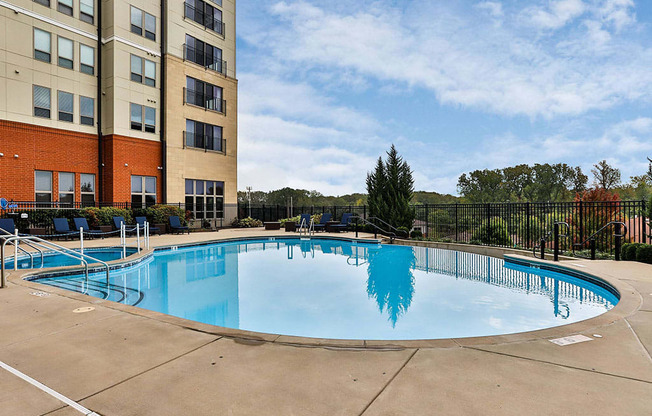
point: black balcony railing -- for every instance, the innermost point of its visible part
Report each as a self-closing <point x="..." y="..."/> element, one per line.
<point x="201" y="99"/>
<point x="205" y="19"/>
<point x="205" y="142"/>
<point x="204" y="59"/>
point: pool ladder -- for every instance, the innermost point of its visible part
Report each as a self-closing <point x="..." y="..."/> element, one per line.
<point x="308" y="229"/>
<point x="37" y="243"/>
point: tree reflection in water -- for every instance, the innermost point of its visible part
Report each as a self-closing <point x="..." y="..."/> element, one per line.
<point x="391" y="281"/>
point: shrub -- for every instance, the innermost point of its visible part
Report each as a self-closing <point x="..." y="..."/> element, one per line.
<point x="159" y="214"/>
<point x="402" y="232"/>
<point x="644" y="253"/>
<point x="493" y="232"/>
<point x="416" y="234"/>
<point x="247" y="223"/>
<point x="104" y="216"/>
<point x="628" y="251"/>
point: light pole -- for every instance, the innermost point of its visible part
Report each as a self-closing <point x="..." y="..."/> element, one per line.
<point x="249" y="199"/>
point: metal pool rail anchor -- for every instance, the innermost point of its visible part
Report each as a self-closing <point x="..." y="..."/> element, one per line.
<point x="617" y="234"/>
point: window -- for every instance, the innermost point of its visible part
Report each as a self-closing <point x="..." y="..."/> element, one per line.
<point x="143" y="191"/>
<point x="87" y="189"/>
<point x="65" y="7"/>
<point x="137" y="65"/>
<point x="203" y="54"/>
<point x="150" y="26"/>
<point x="42" y="45"/>
<point x="87" y="111"/>
<point x="67" y="188"/>
<point x="64" y="48"/>
<point x="204" y="136"/>
<point x="87" y="59"/>
<point x="87" y="11"/>
<point x="206" y="15"/>
<point x="136" y="117"/>
<point x="136" y="21"/>
<point x="150" y="120"/>
<point x="205" y="95"/>
<point x="43" y="186"/>
<point x="42" y="104"/>
<point x="43" y="2"/>
<point x="65" y="100"/>
<point x="205" y="198"/>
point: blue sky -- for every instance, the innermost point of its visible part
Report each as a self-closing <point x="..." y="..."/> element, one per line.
<point x="326" y="87"/>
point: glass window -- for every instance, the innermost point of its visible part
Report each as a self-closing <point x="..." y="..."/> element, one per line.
<point x="150" y="73"/>
<point x="87" y="11"/>
<point x="42" y="45"/>
<point x="203" y="136"/>
<point x="65" y="100"/>
<point x="65" y="7"/>
<point x="42" y="104"/>
<point x="64" y="48"/>
<point x="136" y="117"/>
<point x="87" y="111"/>
<point x="87" y="189"/>
<point x="43" y="186"/>
<point x="205" y="198"/>
<point x="136" y="21"/>
<point x="67" y="188"/>
<point x="150" y="26"/>
<point x="189" y="186"/>
<point x="206" y="15"/>
<point x="143" y="191"/>
<point x="87" y="58"/>
<point x="136" y="68"/>
<point x="43" y="2"/>
<point x="150" y="120"/>
<point x="136" y="184"/>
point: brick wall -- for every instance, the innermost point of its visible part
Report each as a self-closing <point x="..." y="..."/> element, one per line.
<point x="141" y="157"/>
<point x="42" y="148"/>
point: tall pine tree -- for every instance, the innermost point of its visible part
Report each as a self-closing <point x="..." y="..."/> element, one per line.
<point x="390" y="188"/>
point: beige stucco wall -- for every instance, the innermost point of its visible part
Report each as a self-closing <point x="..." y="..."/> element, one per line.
<point x="195" y="163"/>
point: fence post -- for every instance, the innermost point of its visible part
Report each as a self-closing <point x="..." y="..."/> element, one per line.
<point x="364" y="212"/>
<point x="618" y="240"/>
<point x="457" y="217"/>
<point x="527" y="222"/>
<point x="592" y="247"/>
<point x="643" y="225"/>
<point x="581" y="223"/>
<point x="543" y="249"/>
<point x="263" y="212"/>
<point x="556" y="242"/>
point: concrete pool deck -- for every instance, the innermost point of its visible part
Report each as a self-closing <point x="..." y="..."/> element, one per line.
<point x="115" y="361"/>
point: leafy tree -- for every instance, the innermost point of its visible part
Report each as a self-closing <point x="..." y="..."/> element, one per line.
<point x="390" y="188"/>
<point x="482" y="186"/>
<point x="605" y="176"/>
<point x="580" y="180"/>
<point x="517" y="179"/>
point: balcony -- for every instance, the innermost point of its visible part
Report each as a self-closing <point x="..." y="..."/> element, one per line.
<point x="204" y="19"/>
<point x="199" y="57"/>
<point x="207" y="102"/>
<point x="202" y="141"/>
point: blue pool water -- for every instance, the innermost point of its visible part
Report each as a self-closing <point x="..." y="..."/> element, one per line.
<point x="59" y="260"/>
<point x="339" y="289"/>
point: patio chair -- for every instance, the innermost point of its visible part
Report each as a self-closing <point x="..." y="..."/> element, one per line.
<point x="175" y="225"/>
<point x="82" y="223"/>
<point x="306" y="218"/>
<point x="344" y="223"/>
<point x="62" y="228"/>
<point x="140" y="221"/>
<point x="325" y="218"/>
<point x="7" y="226"/>
<point x="131" y="229"/>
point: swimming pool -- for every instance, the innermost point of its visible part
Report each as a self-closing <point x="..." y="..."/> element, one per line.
<point x="338" y="289"/>
<point x="52" y="259"/>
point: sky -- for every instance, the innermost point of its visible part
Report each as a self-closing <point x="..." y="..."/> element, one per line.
<point x="325" y="88"/>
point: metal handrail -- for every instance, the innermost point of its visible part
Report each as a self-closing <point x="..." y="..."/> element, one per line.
<point x="55" y="247"/>
<point x="547" y="236"/>
<point x="407" y="234"/>
<point x="205" y="62"/>
<point x="602" y="229"/>
<point x="310" y="229"/>
<point x="31" y="256"/>
<point x="389" y="234"/>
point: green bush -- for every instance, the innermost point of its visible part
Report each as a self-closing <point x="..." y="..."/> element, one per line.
<point x="628" y="251"/>
<point x="403" y="232"/>
<point x="644" y="253"/>
<point x="159" y="214"/>
<point x="416" y="234"/>
<point x="247" y="223"/>
<point x="104" y="216"/>
<point x="493" y="232"/>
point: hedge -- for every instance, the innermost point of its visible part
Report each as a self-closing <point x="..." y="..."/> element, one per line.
<point x="644" y="253"/>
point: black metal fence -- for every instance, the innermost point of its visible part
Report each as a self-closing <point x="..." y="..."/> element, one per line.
<point x="501" y="224"/>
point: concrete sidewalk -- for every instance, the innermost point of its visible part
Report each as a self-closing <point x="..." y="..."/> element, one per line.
<point x="116" y="362"/>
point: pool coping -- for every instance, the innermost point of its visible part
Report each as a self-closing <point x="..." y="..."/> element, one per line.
<point x="629" y="303"/>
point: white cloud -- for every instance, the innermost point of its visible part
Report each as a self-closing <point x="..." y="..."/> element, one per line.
<point x="619" y="13"/>
<point x="494" y="8"/>
<point x="556" y="15"/>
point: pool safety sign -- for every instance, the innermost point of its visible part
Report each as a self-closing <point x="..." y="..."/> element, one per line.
<point x="574" y="339"/>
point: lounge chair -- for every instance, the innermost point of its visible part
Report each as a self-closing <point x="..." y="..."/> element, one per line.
<point x="131" y="229"/>
<point x="344" y="223"/>
<point x="140" y="221"/>
<point x="82" y="223"/>
<point x="7" y="226"/>
<point x="306" y="218"/>
<point x="62" y="228"/>
<point x="325" y="218"/>
<point x="175" y="225"/>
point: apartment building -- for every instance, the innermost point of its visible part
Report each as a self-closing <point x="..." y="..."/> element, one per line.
<point x="113" y="101"/>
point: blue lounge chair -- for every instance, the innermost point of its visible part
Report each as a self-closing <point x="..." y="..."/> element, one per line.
<point x="119" y="220"/>
<point x="82" y="223"/>
<point x="7" y="226"/>
<point x="306" y="218"/>
<point x="344" y="223"/>
<point x="62" y="228"/>
<point x="140" y="221"/>
<point x="326" y="217"/>
<point x="175" y="225"/>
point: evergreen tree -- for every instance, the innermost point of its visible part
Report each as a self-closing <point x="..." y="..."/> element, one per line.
<point x="390" y="188"/>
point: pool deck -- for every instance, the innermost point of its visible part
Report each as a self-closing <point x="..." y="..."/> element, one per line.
<point x="118" y="360"/>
